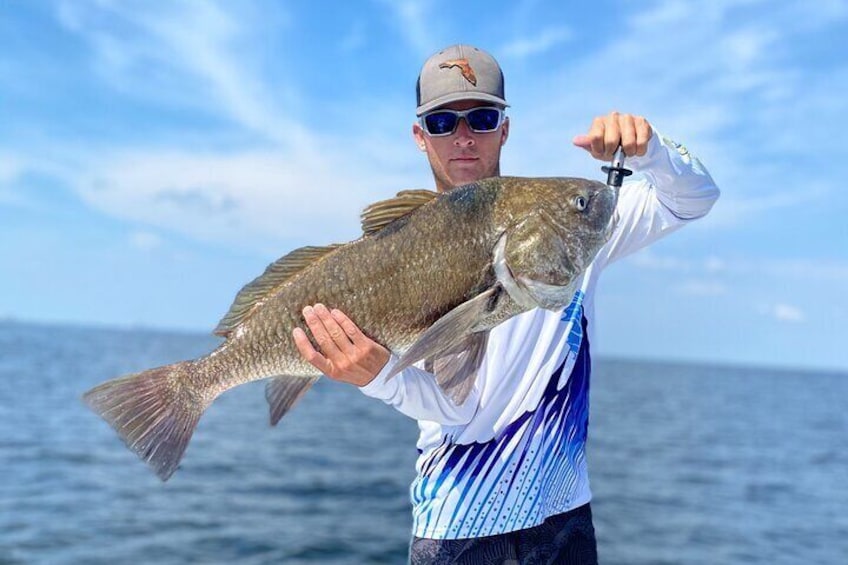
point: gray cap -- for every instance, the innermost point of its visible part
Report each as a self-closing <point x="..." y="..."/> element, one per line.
<point x="459" y="72"/>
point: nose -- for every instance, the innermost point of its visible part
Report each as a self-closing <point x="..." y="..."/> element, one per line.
<point x="463" y="136"/>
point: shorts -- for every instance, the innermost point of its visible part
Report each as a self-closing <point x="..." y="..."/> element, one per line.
<point x="564" y="539"/>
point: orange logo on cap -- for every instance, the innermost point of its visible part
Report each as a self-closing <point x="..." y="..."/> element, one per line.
<point x="464" y="66"/>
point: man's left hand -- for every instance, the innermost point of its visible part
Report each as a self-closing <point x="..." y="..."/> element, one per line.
<point x="608" y="132"/>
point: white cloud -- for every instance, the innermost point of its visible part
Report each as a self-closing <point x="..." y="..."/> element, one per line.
<point x="355" y="38"/>
<point x="203" y="53"/>
<point x="411" y="17"/>
<point x="783" y="312"/>
<point x="11" y="167"/>
<point x="826" y="269"/>
<point x="186" y="53"/>
<point x="734" y="208"/>
<point x="648" y="259"/>
<point x="811" y="269"/>
<point x="729" y="88"/>
<point x="258" y="199"/>
<point x="538" y="42"/>
<point x="714" y="264"/>
<point x="145" y="240"/>
<point x="702" y="288"/>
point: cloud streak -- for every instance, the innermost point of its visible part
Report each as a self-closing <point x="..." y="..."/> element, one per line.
<point x="537" y="43"/>
<point x="411" y="17"/>
<point x="832" y="270"/>
<point x="728" y="87"/>
<point x="785" y="313"/>
<point x="263" y="187"/>
<point x="279" y="184"/>
<point x="172" y="52"/>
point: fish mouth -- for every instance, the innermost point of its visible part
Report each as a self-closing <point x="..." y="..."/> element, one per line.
<point x="608" y="200"/>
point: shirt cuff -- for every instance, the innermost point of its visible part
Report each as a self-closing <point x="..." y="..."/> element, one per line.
<point x="654" y="150"/>
<point x="379" y="387"/>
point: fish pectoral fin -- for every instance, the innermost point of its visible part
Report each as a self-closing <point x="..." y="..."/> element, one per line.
<point x="456" y="370"/>
<point x="283" y="392"/>
<point x="451" y="335"/>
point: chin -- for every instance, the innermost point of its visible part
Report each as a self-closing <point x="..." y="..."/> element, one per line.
<point x="465" y="177"/>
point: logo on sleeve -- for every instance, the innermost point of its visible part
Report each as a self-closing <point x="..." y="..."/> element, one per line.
<point x="679" y="147"/>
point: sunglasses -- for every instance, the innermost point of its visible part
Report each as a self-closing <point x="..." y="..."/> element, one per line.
<point x="480" y="120"/>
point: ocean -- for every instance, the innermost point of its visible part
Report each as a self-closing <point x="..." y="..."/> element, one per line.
<point x="688" y="464"/>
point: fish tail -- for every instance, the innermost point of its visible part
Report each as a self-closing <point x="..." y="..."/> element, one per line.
<point x="154" y="412"/>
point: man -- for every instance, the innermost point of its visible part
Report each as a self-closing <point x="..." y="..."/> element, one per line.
<point x="502" y="478"/>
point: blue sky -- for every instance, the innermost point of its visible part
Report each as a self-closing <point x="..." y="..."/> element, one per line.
<point x="155" y="156"/>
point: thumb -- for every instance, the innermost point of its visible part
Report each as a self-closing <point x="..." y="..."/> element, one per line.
<point x="582" y="141"/>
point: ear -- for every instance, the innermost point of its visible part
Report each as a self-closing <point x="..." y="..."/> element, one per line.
<point x="418" y="135"/>
<point x="504" y="131"/>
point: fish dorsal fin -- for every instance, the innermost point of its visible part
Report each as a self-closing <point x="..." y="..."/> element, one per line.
<point x="380" y="214"/>
<point x="263" y="286"/>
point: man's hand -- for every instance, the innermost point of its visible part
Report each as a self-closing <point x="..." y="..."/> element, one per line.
<point x="608" y="132"/>
<point x="346" y="354"/>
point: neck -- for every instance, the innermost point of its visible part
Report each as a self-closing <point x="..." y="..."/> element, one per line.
<point x="442" y="186"/>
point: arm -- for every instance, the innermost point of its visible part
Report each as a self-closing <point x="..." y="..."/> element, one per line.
<point x="675" y="189"/>
<point x="347" y="355"/>
<point x="414" y="392"/>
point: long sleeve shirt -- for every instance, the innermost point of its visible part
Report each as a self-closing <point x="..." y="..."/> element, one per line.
<point x="514" y="453"/>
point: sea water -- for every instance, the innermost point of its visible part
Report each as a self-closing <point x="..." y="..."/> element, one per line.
<point x="688" y="464"/>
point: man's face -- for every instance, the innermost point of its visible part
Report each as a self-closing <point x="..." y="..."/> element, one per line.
<point x="463" y="156"/>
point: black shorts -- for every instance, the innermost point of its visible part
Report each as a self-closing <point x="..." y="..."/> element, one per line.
<point x="564" y="539"/>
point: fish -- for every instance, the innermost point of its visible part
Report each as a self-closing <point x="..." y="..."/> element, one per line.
<point x="428" y="279"/>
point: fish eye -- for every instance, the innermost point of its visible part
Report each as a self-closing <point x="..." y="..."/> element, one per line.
<point x="580" y="202"/>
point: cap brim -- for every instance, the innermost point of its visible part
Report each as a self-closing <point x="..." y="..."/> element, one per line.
<point x="458" y="96"/>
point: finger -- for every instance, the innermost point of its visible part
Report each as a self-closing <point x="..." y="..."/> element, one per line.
<point x="582" y="141"/>
<point x="643" y="135"/>
<point x="375" y="354"/>
<point x="319" y="332"/>
<point x="612" y="135"/>
<point x="628" y="135"/>
<point x="596" y="135"/>
<point x="335" y="331"/>
<point x="313" y="357"/>
<point x="349" y="327"/>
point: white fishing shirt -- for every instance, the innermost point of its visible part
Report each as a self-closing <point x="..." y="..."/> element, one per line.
<point x="515" y="452"/>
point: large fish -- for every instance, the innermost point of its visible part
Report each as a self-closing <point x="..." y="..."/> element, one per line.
<point x="431" y="275"/>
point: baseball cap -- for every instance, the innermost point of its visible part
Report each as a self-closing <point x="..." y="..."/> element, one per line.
<point x="459" y="72"/>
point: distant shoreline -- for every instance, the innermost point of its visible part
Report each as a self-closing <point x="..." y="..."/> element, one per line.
<point x="605" y="358"/>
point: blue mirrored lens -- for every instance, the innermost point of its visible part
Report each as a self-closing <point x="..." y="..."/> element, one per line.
<point x="440" y="123"/>
<point x="483" y="119"/>
<point x="479" y="120"/>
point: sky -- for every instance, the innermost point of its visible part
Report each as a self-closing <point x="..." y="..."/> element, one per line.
<point x="156" y="156"/>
